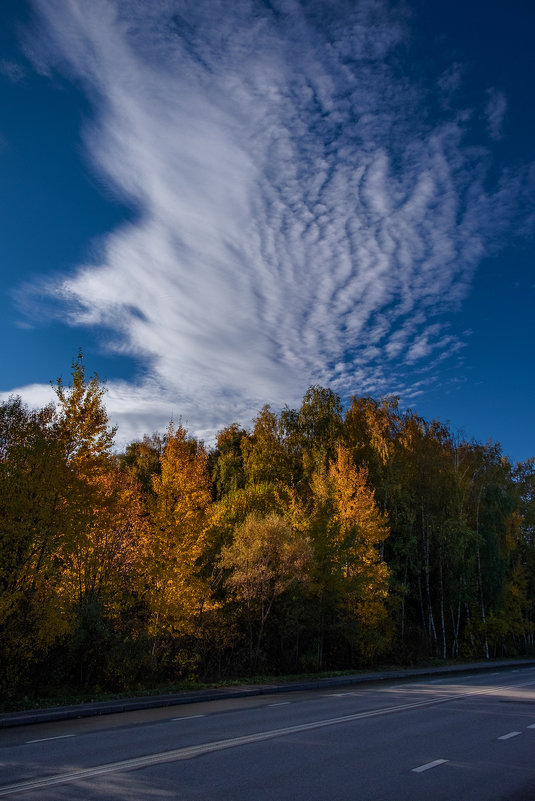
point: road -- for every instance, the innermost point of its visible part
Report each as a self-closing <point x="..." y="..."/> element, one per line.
<point x="457" y="738"/>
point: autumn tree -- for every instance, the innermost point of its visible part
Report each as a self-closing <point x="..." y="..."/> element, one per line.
<point x="319" y="427"/>
<point x="372" y="430"/>
<point x="266" y="453"/>
<point x="264" y="559"/>
<point x="226" y="460"/>
<point x="101" y="577"/>
<point x="69" y="533"/>
<point x="92" y="558"/>
<point x="316" y="539"/>
<point x="53" y="471"/>
<point x="34" y="523"/>
<point x="82" y="420"/>
<point x="351" y="577"/>
<point x="141" y="460"/>
<point x="178" y="591"/>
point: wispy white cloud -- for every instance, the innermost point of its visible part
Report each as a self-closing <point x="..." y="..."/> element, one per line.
<point x="137" y="409"/>
<point x="495" y="112"/>
<point x="11" y="70"/>
<point x="298" y="219"/>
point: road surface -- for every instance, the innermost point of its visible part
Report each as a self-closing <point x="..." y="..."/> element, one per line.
<point x="455" y="738"/>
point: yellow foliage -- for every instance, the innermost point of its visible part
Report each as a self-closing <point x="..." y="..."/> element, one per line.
<point x="354" y="530"/>
<point x="105" y="554"/>
<point x="177" y="590"/>
<point x="265" y="558"/>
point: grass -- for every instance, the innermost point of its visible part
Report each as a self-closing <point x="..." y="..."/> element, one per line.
<point x="68" y="698"/>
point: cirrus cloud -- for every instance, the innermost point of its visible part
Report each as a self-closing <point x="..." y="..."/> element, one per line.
<point x="299" y="218"/>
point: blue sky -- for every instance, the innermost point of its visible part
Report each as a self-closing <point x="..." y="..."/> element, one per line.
<point x="223" y="203"/>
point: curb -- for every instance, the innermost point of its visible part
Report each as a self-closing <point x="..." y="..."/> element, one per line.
<point x="91" y="709"/>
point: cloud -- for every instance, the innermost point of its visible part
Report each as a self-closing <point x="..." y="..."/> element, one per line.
<point x="297" y="220"/>
<point x="136" y="410"/>
<point x="495" y="112"/>
<point x="11" y="70"/>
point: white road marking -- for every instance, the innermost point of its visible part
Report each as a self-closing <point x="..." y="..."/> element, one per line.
<point x="429" y="765"/>
<point x="281" y="703"/>
<point x="47" y="739"/>
<point x="189" y="717"/>
<point x="190" y="752"/>
<point x="508" y="736"/>
<point x="532" y="726"/>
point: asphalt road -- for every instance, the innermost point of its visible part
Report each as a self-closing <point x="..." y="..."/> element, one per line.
<point x="463" y="737"/>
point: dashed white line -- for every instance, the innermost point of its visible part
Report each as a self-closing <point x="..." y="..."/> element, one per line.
<point x="189" y="717"/>
<point x="47" y="739"/>
<point x="281" y="703"/>
<point x="532" y="726"/>
<point x="508" y="736"/>
<point x="429" y="765"/>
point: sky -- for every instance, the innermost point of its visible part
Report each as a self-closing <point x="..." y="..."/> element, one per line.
<point x="223" y="203"/>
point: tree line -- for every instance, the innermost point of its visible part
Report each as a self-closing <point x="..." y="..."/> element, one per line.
<point x="322" y="538"/>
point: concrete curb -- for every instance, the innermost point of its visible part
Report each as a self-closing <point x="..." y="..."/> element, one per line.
<point x="92" y="709"/>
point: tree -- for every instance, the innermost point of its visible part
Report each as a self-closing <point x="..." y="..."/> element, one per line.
<point x="100" y="576"/>
<point x="265" y="558"/>
<point x="267" y="459"/>
<point x="524" y="486"/>
<point x="33" y="524"/>
<point x="227" y="460"/>
<point x="141" y="460"/>
<point x="177" y="589"/>
<point x="371" y="429"/>
<point x="69" y="530"/>
<point x="351" y="577"/>
<point x="319" y="421"/>
<point x="82" y="420"/>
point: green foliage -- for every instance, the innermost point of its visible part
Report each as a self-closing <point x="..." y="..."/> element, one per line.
<point x="226" y="461"/>
<point x="317" y="539"/>
<point x="141" y="460"/>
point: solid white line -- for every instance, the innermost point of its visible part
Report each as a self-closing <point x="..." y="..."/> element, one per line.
<point x="47" y="739"/>
<point x="189" y="717"/>
<point x="508" y="736"/>
<point x="429" y="765"/>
